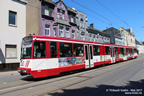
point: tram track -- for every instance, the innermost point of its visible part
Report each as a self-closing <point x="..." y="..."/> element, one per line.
<point x="35" y="84"/>
<point x="88" y="78"/>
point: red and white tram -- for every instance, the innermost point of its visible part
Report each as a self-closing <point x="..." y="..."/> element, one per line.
<point x="43" y="56"/>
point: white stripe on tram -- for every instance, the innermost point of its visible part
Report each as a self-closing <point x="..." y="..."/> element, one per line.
<point x="64" y="41"/>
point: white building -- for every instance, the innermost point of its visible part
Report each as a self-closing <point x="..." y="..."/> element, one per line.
<point x="12" y="30"/>
<point x="139" y="47"/>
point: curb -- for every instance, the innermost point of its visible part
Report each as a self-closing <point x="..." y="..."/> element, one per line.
<point x="8" y="73"/>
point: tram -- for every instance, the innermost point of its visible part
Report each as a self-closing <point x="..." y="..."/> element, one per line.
<point x="43" y="56"/>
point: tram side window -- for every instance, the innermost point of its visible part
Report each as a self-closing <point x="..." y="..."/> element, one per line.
<point x="53" y="49"/>
<point x="65" y="49"/>
<point x="78" y="49"/>
<point x="96" y="50"/>
<point x="116" y="50"/>
<point x="135" y="50"/>
<point x="131" y="50"/>
<point x="122" y="50"/>
<point x="39" y="49"/>
<point x="127" y="51"/>
<point x="107" y="50"/>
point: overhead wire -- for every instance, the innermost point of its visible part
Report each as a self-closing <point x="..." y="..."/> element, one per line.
<point x="101" y="15"/>
<point x="116" y="15"/>
<point x="110" y="24"/>
<point x="111" y="12"/>
<point x="95" y="13"/>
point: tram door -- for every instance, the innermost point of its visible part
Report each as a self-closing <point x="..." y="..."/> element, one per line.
<point x="88" y="56"/>
<point x="112" y="55"/>
<point x="125" y="54"/>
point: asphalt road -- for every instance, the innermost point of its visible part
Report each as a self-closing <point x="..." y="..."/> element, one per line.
<point x="120" y="79"/>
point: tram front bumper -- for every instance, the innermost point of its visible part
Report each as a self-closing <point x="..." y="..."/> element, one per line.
<point x="24" y="71"/>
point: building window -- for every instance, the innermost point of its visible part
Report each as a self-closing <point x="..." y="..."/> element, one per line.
<point x="81" y="22"/>
<point x="72" y="18"/>
<point x="61" y="32"/>
<point x="58" y="13"/>
<point x="11" y="51"/>
<point x="55" y="32"/>
<point x="73" y="34"/>
<point x="82" y="38"/>
<point x="47" y="29"/>
<point x="63" y="12"/>
<point x="67" y="33"/>
<point x="46" y="10"/>
<point x="12" y="18"/>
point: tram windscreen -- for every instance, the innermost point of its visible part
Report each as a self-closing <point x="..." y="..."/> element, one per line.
<point x="26" y="47"/>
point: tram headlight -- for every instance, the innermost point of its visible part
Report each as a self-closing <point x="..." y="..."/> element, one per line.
<point x="24" y="71"/>
<point x="19" y="71"/>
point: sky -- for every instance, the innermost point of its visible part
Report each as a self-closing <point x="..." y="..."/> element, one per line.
<point x="112" y="13"/>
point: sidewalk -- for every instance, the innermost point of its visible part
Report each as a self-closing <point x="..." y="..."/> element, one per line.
<point x="8" y="73"/>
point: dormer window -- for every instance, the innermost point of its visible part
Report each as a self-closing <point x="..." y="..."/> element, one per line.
<point x="72" y="18"/>
<point x="46" y="10"/>
<point x="63" y="12"/>
<point x="58" y="13"/>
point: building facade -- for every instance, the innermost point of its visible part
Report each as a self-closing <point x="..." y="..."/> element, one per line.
<point x="129" y="36"/>
<point x="81" y="21"/>
<point x="32" y="17"/>
<point x="116" y="36"/>
<point x="56" y="19"/>
<point x="132" y="38"/>
<point x="12" y="30"/>
<point x="139" y="47"/>
<point x="96" y="35"/>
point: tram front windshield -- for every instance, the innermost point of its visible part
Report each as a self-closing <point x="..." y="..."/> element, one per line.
<point x="26" y="47"/>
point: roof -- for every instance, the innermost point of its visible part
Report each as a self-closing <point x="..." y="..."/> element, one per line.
<point x="111" y="29"/>
<point x="53" y="2"/>
<point x="130" y="31"/>
<point x="61" y="21"/>
<point x="137" y="42"/>
<point x="23" y="1"/>
<point x="70" y="9"/>
<point x="90" y="28"/>
<point x="50" y="1"/>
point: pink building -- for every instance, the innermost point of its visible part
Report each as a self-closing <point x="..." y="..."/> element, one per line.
<point x="56" y="19"/>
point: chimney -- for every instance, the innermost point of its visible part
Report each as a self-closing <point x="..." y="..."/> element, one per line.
<point x="91" y="25"/>
<point x="131" y="31"/>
